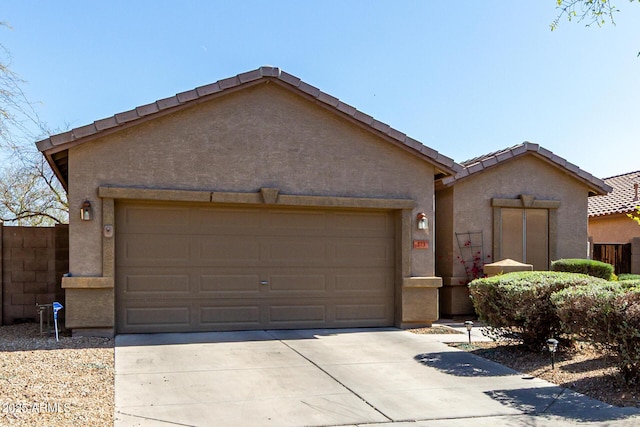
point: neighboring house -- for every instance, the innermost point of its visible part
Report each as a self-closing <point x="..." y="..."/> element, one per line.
<point x="523" y="203"/>
<point x="254" y="202"/>
<point x="615" y="236"/>
<point x="260" y="202"/>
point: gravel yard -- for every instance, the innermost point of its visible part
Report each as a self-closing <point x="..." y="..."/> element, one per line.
<point x="46" y="383"/>
<point x="581" y="368"/>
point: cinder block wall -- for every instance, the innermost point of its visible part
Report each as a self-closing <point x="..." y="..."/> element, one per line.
<point x="33" y="262"/>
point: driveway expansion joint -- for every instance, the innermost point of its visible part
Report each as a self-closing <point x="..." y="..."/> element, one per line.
<point x="331" y="376"/>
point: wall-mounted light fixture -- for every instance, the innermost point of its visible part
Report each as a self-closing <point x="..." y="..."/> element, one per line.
<point x="423" y="222"/>
<point x="85" y="211"/>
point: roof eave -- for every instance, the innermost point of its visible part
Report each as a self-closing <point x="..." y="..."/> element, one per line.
<point x="595" y="185"/>
<point x="444" y="166"/>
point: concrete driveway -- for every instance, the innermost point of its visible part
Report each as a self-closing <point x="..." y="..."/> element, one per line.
<point x="345" y="377"/>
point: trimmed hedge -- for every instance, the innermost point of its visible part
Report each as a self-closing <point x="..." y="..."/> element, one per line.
<point x="608" y="316"/>
<point x="625" y="276"/>
<point x="584" y="266"/>
<point x="629" y="283"/>
<point x="520" y="303"/>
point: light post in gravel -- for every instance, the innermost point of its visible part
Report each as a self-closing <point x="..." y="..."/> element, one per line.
<point x="552" y="345"/>
<point x="469" y="325"/>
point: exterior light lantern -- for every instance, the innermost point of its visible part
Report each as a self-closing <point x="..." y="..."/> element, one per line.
<point x="85" y="211"/>
<point x="469" y="325"/>
<point x="423" y="222"/>
<point x="552" y="345"/>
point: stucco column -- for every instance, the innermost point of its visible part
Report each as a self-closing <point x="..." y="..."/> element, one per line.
<point x="419" y="299"/>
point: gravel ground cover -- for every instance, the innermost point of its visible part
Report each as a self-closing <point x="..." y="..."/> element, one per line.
<point x="45" y="383"/>
<point x="580" y="367"/>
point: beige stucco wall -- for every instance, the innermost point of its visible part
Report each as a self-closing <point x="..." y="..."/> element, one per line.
<point x="260" y="137"/>
<point x="263" y="136"/>
<point x="617" y="228"/>
<point x="473" y="212"/>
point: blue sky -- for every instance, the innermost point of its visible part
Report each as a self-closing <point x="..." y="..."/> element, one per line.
<point x="465" y="77"/>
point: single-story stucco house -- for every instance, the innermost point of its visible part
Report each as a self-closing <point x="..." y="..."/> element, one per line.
<point x="615" y="236"/>
<point x="260" y="202"/>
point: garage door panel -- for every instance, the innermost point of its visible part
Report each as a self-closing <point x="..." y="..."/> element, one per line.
<point x="297" y="284"/>
<point x="375" y="282"/>
<point x="142" y="218"/>
<point x="155" y="249"/>
<point x="145" y="316"/>
<point x="361" y="312"/>
<point x="296" y="312"/>
<point x="251" y="268"/>
<point x="227" y="222"/>
<point x="295" y="252"/>
<point x="150" y="284"/>
<point x="237" y="315"/>
<point x="230" y="285"/>
<point x="294" y="223"/>
<point x="219" y="250"/>
<point x="367" y="253"/>
<point x="372" y="225"/>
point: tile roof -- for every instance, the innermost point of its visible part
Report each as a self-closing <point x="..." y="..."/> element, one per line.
<point x="55" y="147"/>
<point x="623" y="199"/>
<point x="481" y="163"/>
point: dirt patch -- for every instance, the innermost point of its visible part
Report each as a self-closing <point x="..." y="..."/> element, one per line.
<point x="437" y="330"/>
<point x="49" y="382"/>
<point x="581" y="368"/>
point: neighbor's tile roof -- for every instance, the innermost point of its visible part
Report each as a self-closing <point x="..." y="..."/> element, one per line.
<point x="55" y="147"/>
<point x="623" y="199"/>
<point x="481" y="163"/>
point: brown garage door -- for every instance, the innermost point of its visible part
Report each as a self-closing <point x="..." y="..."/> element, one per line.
<point x="191" y="267"/>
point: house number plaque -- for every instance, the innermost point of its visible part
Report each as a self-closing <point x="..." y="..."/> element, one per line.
<point x="420" y="244"/>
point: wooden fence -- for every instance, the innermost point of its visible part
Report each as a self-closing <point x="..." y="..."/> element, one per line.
<point x="618" y="255"/>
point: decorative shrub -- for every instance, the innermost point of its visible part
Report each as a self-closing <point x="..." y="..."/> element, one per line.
<point x="584" y="266"/>
<point x="625" y="276"/>
<point x="608" y="316"/>
<point x="629" y="283"/>
<point x="519" y="303"/>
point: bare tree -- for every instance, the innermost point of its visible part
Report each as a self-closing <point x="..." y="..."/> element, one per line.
<point x="590" y="11"/>
<point x="30" y="194"/>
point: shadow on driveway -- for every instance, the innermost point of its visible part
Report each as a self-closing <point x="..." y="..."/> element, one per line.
<point x="558" y="401"/>
<point x="462" y="364"/>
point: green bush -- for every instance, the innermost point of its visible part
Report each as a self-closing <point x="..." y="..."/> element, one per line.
<point x="608" y="316"/>
<point x="584" y="266"/>
<point x="629" y="283"/>
<point x="519" y="303"/>
<point x="625" y="276"/>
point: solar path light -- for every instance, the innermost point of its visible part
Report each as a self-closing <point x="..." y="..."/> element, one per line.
<point x="469" y="325"/>
<point x="552" y="345"/>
